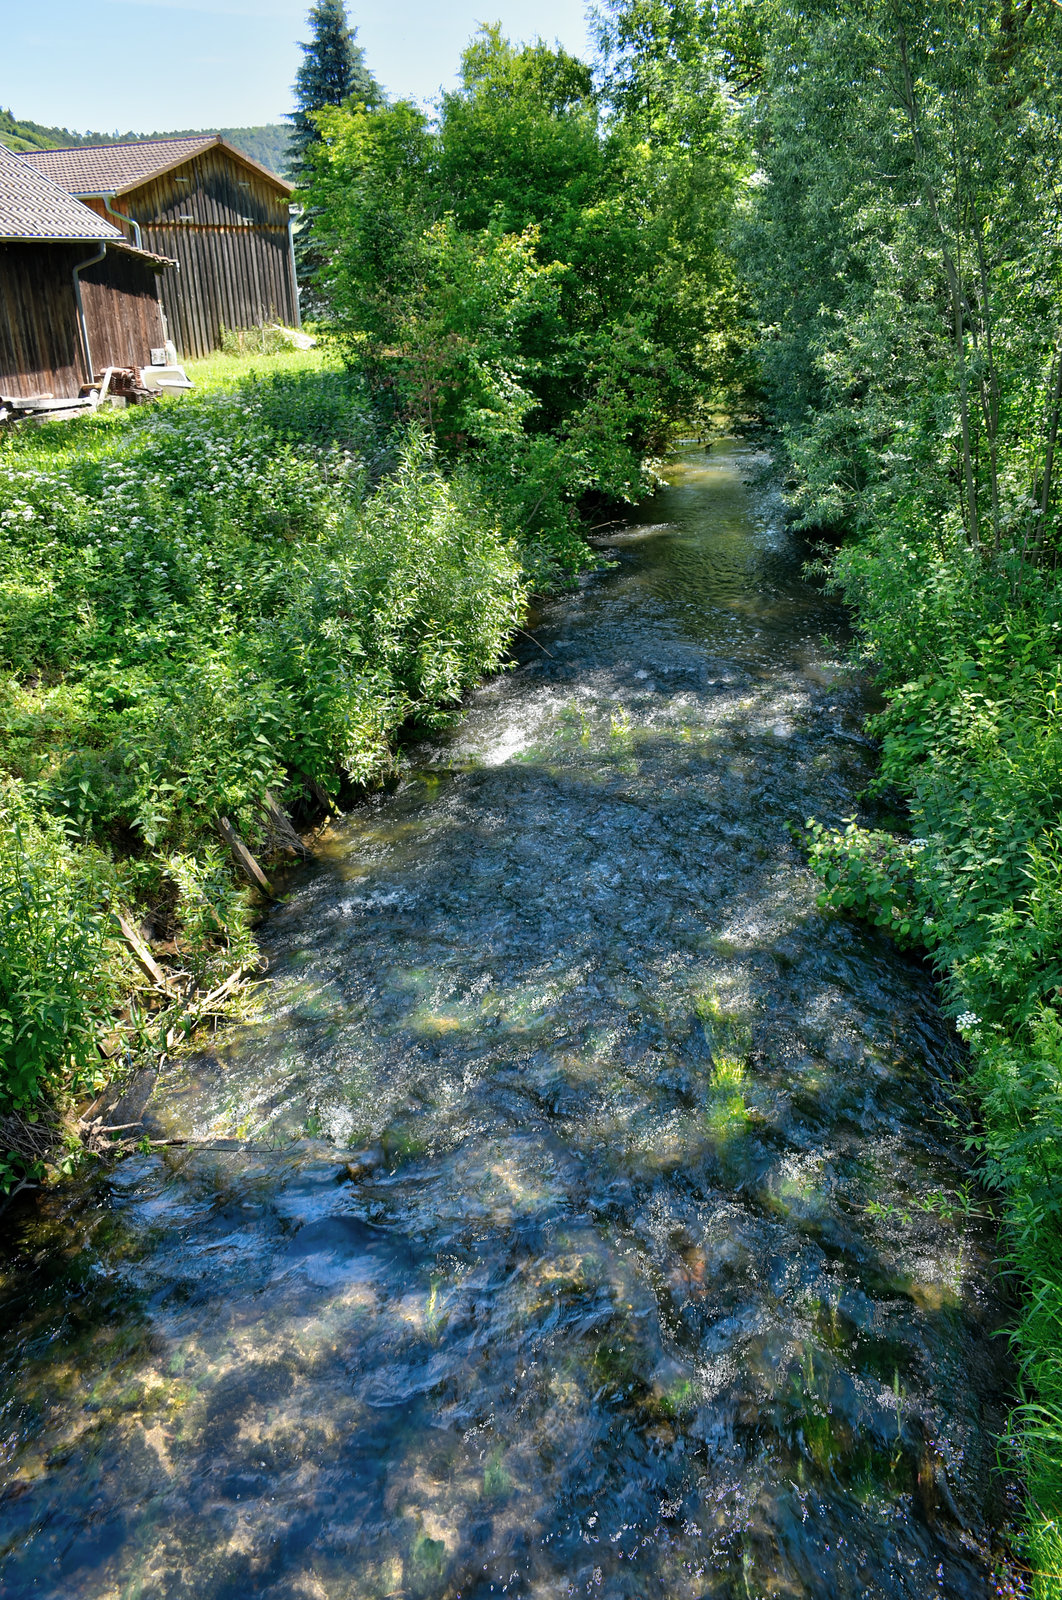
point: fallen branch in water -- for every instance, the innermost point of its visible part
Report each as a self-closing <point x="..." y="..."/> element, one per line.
<point x="535" y="641"/>
<point x="23" y="1183"/>
<point x="222" y="1147"/>
<point x="95" y="1135"/>
<point x="283" y="829"/>
<point x="144" y="959"/>
<point x="199" y="1007"/>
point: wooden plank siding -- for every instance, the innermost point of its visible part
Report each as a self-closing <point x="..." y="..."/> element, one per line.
<point x="227" y="227"/>
<point x="40" y="341"/>
<point x="122" y="311"/>
<point x="40" y="337"/>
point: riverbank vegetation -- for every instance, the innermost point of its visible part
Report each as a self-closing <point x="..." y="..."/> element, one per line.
<point x="905" y="252"/>
<point x="209" y="611"/>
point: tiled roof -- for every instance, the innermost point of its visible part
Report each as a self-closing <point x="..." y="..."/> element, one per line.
<point x="33" y="207"/>
<point x="109" y="168"/>
<point x="113" y="168"/>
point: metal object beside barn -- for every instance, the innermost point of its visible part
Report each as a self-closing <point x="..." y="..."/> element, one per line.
<point x="165" y="380"/>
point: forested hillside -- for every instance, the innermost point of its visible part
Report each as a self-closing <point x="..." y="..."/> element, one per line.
<point x="267" y="144"/>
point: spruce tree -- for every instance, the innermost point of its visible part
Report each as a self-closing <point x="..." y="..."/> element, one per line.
<point x="332" y="72"/>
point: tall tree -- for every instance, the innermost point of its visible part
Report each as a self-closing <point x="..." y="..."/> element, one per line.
<point x="332" y="72"/>
<point x="907" y="249"/>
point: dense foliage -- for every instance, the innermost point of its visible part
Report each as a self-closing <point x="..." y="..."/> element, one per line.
<point x="540" y="276"/>
<point x="331" y="72"/>
<point x="905" y="249"/>
<point x="204" y="609"/>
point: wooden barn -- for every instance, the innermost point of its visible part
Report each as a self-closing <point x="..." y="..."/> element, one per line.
<point x="75" y="296"/>
<point x="224" y="219"/>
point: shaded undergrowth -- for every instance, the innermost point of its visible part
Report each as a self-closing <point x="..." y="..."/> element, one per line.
<point x="970" y="742"/>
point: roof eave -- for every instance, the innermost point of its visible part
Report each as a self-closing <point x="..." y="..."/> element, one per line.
<point x="56" y="238"/>
<point x="128" y="249"/>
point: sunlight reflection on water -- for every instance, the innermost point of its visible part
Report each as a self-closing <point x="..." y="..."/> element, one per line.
<point x="550" y="1270"/>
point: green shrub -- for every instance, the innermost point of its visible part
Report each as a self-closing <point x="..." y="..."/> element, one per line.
<point x="57" y="987"/>
<point x="215" y="936"/>
<point x="871" y="874"/>
<point x="203" y="608"/>
<point x="231" y="612"/>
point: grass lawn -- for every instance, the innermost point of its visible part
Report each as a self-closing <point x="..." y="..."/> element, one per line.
<point x="221" y="371"/>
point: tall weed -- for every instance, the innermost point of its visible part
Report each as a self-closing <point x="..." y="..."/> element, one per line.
<point x="57" y="982"/>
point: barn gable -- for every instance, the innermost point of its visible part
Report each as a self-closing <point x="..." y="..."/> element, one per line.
<point x="222" y="216"/>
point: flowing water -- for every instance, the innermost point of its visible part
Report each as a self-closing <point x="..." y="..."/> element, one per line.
<point x="571" y="1227"/>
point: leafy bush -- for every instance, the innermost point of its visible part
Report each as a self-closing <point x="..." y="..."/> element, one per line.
<point x="215" y="937"/>
<point x="205" y="608"/>
<point x="57" y="982"/>
<point x="871" y="874"/>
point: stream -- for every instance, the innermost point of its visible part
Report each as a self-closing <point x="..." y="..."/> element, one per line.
<point x="574" y="1225"/>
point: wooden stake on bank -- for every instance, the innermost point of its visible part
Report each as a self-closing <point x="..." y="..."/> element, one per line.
<point x="244" y="859"/>
<point x="144" y="959"/>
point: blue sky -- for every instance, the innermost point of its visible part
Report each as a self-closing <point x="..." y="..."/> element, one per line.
<point x="156" y="64"/>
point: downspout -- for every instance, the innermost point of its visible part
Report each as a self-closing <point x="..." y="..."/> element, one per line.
<point x="294" y="274"/>
<point x="162" y="313"/>
<point x="83" y="325"/>
<point x="107" y="198"/>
